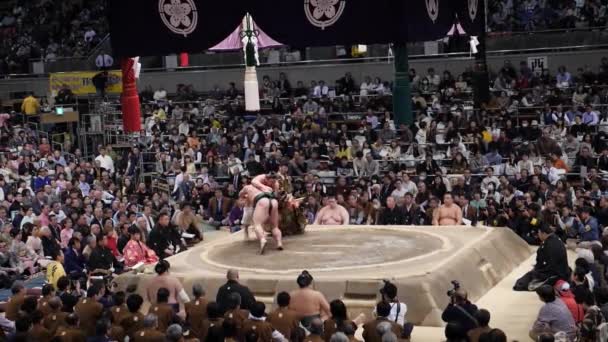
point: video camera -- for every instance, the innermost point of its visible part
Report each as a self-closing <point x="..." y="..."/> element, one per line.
<point x="455" y="287"/>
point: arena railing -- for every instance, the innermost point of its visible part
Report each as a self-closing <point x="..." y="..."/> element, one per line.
<point x="496" y="46"/>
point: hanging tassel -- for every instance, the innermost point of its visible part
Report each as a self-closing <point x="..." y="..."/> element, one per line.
<point x="131" y="108"/>
<point x="252" y="90"/>
<point x="474" y="42"/>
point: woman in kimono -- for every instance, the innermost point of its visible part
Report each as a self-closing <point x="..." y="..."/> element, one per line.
<point x="22" y="257"/>
<point x="136" y="251"/>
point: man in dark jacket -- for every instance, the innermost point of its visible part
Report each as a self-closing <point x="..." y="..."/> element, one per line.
<point x="461" y="311"/>
<point x="551" y="262"/>
<point x="391" y="215"/>
<point x="100" y="81"/>
<point x="101" y="260"/>
<point x="74" y="262"/>
<point x="164" y="239"/>
<point x="231" y="286"/>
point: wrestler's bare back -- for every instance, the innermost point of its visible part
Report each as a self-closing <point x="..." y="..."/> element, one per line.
<point x="249" y="192"/>
<point x="308" y="302"/>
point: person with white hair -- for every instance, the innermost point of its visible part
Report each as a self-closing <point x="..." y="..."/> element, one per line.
<point x="175" y="333"/>
<point x="339" y="337"/>
<point x="389" y="337"/>
<point x="149" y="332"/>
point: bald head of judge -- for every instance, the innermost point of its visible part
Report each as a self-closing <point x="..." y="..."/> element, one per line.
<point x="232" y="274"/>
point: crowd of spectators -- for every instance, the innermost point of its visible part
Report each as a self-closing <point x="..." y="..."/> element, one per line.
<point x="533" y="158"/>
<point x="48" y="30"/>
<point x="531" y="15"/>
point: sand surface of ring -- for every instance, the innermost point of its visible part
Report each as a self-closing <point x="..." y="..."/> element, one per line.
<point x="331" y="249"/>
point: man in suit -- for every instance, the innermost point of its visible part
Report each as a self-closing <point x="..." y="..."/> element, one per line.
<point x="551" y="262"/>
<point x="231" y="286"/>
<point x="164" y="239"/>
<point x="89" y="310"/>
<point x="386" y="190"/>
<point x="219" y="209"/>
<point x="370" y="333"/>
<point x="468" y="212"/>
<point x="97" y="217"/>
<point x="196" y="310"/>
<point x="411" y="211"/>
<point x="391" y="215"/>
<point x="282" y="319"/>
<point x="14" y="303"/>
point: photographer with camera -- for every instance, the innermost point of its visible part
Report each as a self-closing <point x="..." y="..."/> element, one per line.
<point x="398" y="309"/>
<point x="460" y="310"/>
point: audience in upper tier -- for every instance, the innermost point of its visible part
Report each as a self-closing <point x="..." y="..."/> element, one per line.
<point x="532" y="159"/>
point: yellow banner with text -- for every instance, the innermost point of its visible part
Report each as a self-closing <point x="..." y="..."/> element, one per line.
<point x="81" y="83"/>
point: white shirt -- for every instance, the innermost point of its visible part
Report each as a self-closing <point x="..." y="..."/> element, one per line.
<point x="60" y="215"/>
<point x="89" y="35"/>
<point x="320" y="91"/>
<point x="160" y="95"/>
<point x="179" y="179"/>
<point x="103" y="61"/>
<point x="410" y="187"/>
<point x="184" y="128"/>
<point x="400" y="318"/>
<point x="401" y="308"/>
<point x="398" y="193"/>
<point x="106" y="162"/>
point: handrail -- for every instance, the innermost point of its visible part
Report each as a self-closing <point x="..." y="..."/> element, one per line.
<point x="565" y="30"/>
<point x="95" y="50"/>
<point x="330" y="62"/>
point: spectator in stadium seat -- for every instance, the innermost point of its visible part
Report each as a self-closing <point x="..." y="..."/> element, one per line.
<point x="590" y="117"/>
<point x="563" y="78"/>
<point x="219" y="209"/>
<point x="483" y="319"/>
<point x="163" y="311"/>
<point x="30" y="105"/>
<point x="391" y="214"/>
<point x="89" y="310"/>
<point x="370" y="333"/>
<point x="137" y="251"/>
<point x="133" y="322"/>
<point x="282" y="318"/>
<point x="553" y="316"/>
<point x="164" y="238"/>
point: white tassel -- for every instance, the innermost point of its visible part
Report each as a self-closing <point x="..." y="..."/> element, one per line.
<point x="136" y="67"/>
<point x="252" y="90"/>
<point x="473" y="42"/>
